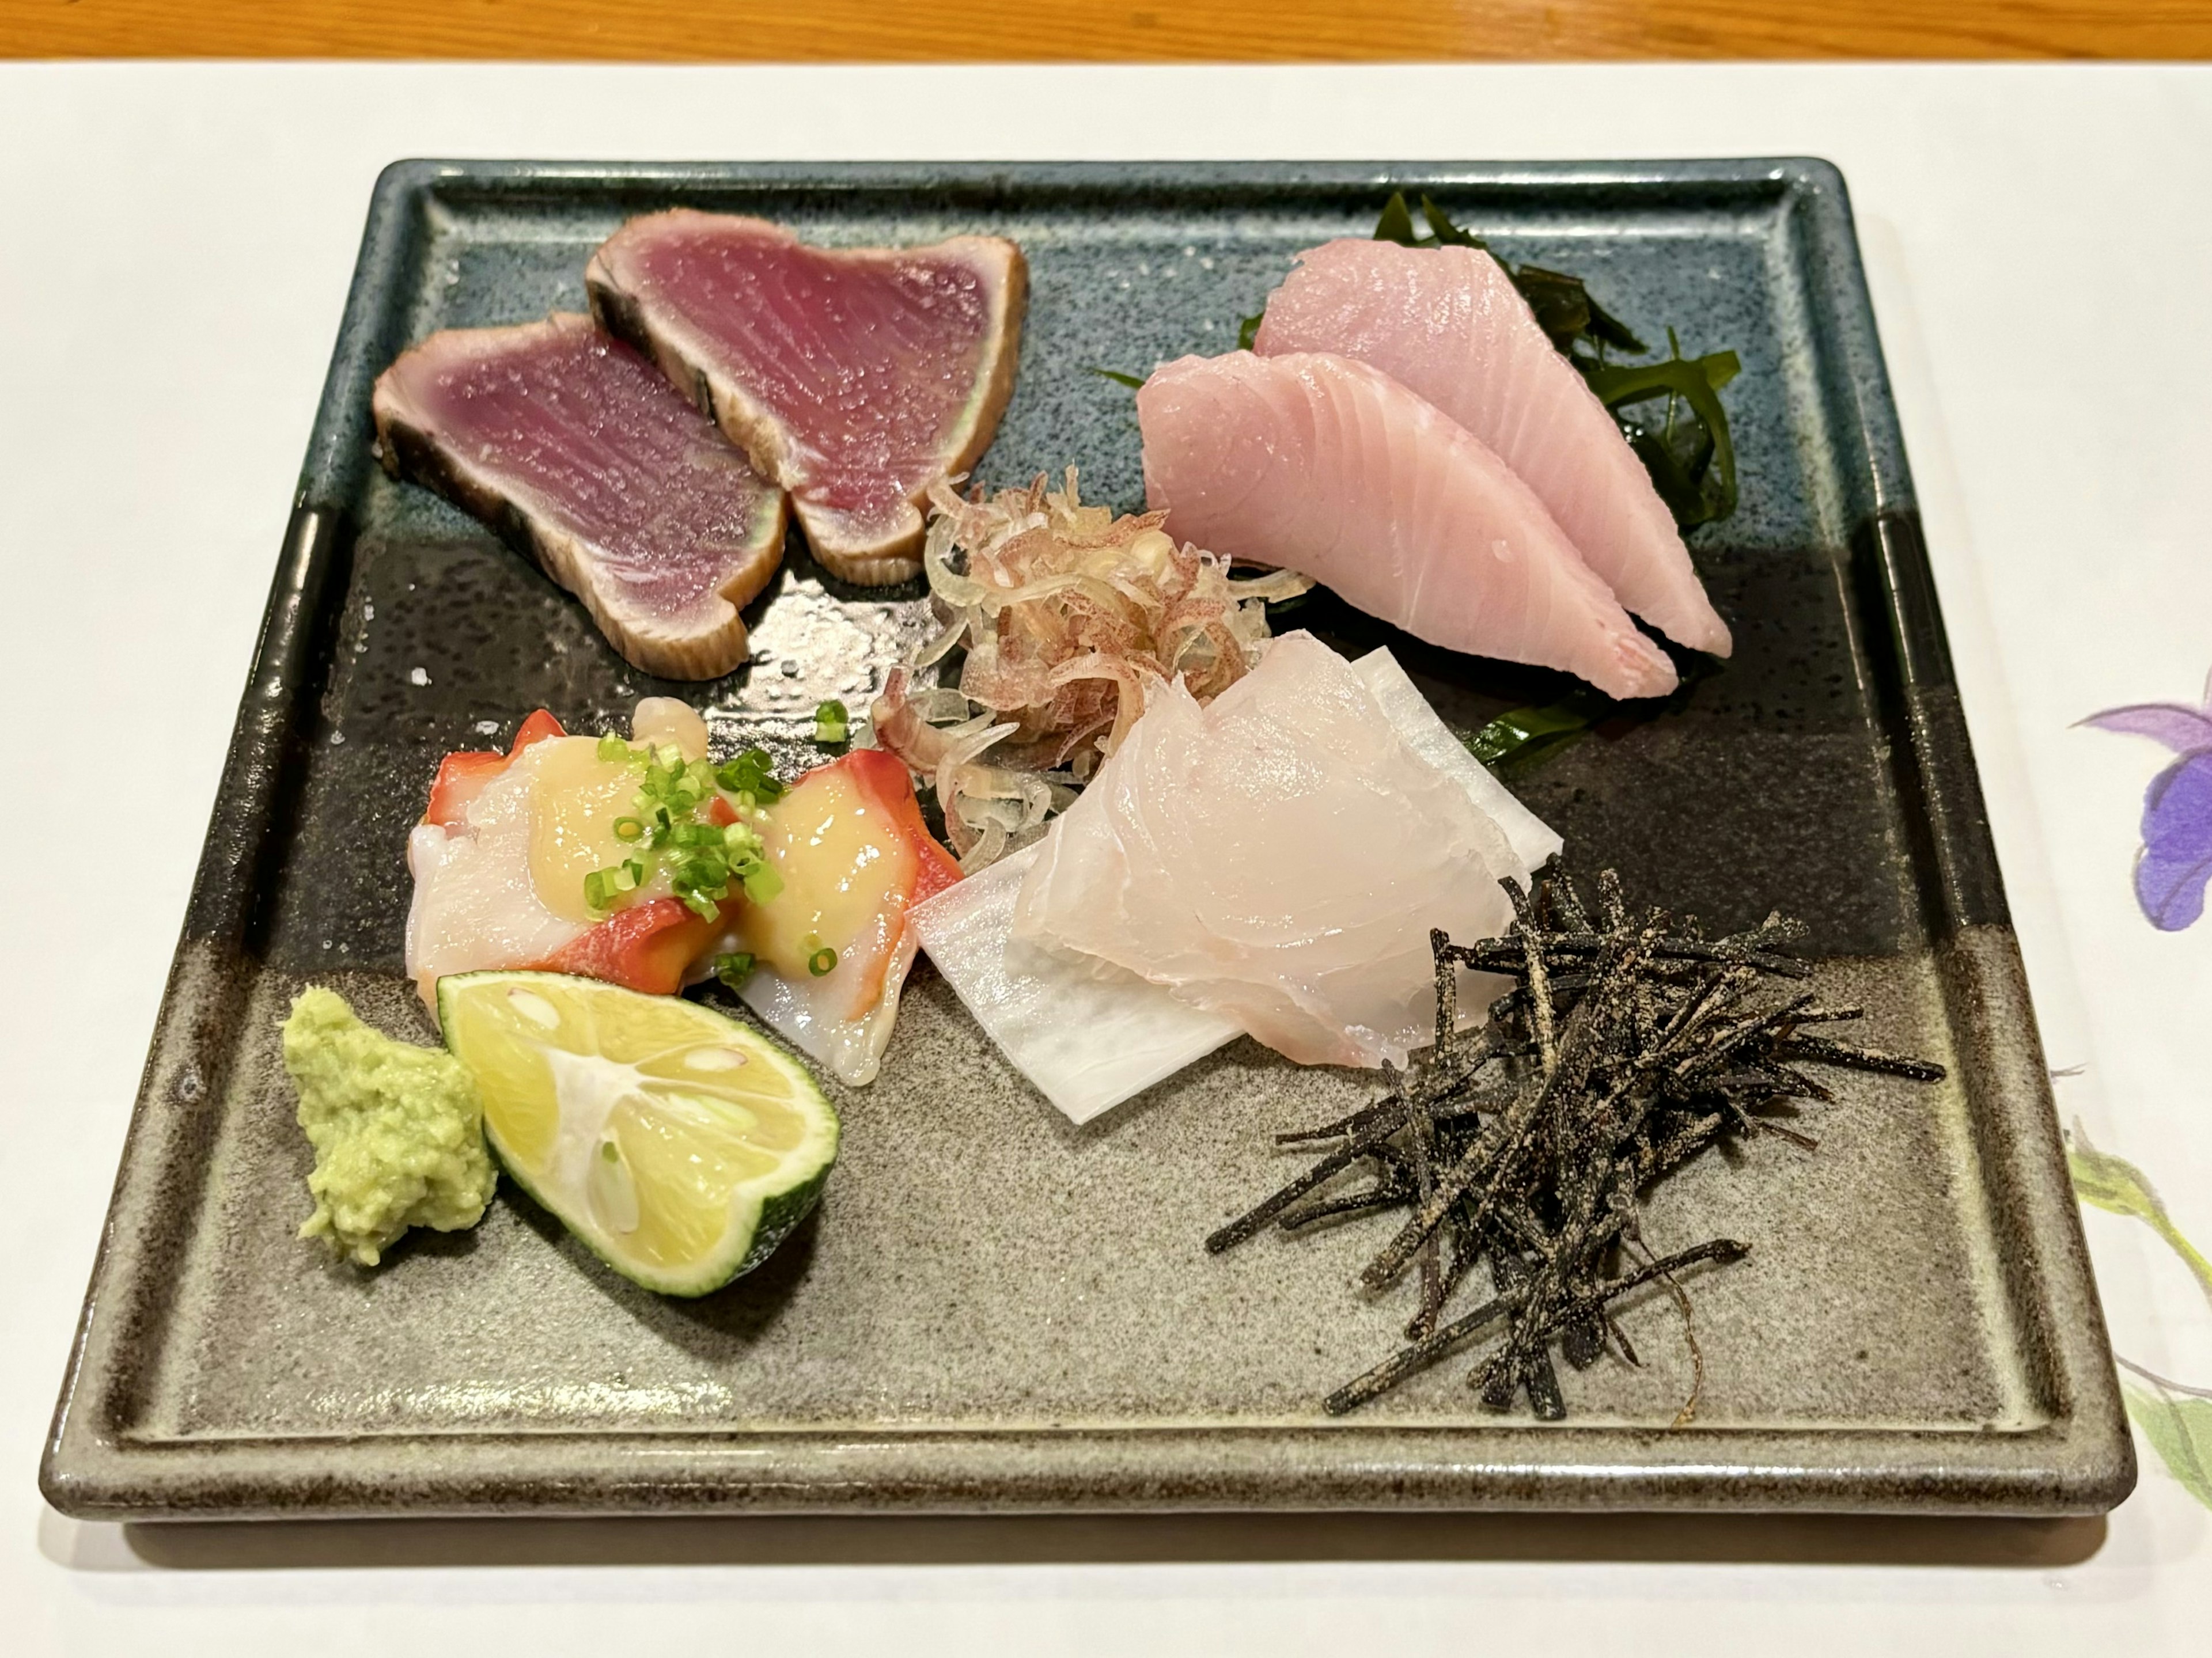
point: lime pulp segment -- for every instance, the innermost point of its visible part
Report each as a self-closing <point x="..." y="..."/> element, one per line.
<point x="681" y="1145"/>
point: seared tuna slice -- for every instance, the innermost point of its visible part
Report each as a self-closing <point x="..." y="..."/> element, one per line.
<point x="853" y="377"/>
<point x="576" y="449"/>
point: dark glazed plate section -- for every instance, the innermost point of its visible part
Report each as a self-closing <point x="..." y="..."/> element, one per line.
<point x="995" y="1311"/>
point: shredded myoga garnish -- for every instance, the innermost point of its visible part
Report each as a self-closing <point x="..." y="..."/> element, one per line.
<point x="1057" y="616"/>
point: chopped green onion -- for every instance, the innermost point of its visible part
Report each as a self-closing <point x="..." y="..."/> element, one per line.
<point x="822" y="960"/>
<point x="734" y="969"/>
<point x="693" y="870"/>
<point x="703" y="860"/>
<point x="831" y="723"/>
<point x="613" y="748"/>
<point x="752" y="773"/>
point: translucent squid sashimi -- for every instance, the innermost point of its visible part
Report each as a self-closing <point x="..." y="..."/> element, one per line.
<point x="1089" y="1034"/>
<point x="1278" y="858"/>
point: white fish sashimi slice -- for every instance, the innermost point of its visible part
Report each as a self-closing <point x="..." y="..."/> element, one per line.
<point x="1448" y="324"/>
<point x="1534" y="842"/>
<point x="1330" y="467"/>
<point x="1088" y="1035"/>
<point x="1278" y="857"/>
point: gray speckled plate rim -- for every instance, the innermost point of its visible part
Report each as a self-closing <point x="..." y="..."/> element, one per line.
<point x="2079" y="1459"/>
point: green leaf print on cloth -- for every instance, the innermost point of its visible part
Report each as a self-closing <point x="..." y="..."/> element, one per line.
<point x="2177" y="1419"/>
<point x="2113" y="1183"/>
<point x="2179" y="1429"/>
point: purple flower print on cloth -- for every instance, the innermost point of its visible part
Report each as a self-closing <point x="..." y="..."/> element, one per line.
<point x="2176" y="859"/>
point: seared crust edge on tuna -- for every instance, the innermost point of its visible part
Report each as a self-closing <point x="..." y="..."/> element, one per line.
<point x="410" y="449"/>
<point x="869" y="561"/>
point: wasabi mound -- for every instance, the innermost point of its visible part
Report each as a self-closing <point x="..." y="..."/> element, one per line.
<point x="398" y="1132"/>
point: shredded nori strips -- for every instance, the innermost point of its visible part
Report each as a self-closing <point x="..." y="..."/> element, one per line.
<point x="1628" y="1045"/>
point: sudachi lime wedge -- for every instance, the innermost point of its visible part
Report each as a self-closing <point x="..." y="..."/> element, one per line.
<point x="681" y="1145"/>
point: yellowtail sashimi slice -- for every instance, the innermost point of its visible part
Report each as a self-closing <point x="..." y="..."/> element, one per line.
<point x="679" y="1145"/>
<point x="1327" y="466"/>
<point x="1447" y="324"/>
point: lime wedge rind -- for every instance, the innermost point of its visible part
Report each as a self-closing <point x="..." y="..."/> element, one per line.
<point x="777" y="1218"/>
<point x="749" y="1215"/>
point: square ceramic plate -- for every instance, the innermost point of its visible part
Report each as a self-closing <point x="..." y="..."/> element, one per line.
<point x="995" y="1309"/>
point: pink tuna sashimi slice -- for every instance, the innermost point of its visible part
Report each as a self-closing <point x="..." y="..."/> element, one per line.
<point x="1448" y="323"/>
<point x="855" y="377"/>
<point x="1331" y="468"/>
<point x="572" y="445"/>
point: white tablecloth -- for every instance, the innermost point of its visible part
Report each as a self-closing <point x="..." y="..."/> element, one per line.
<point x="177" y="244"/>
